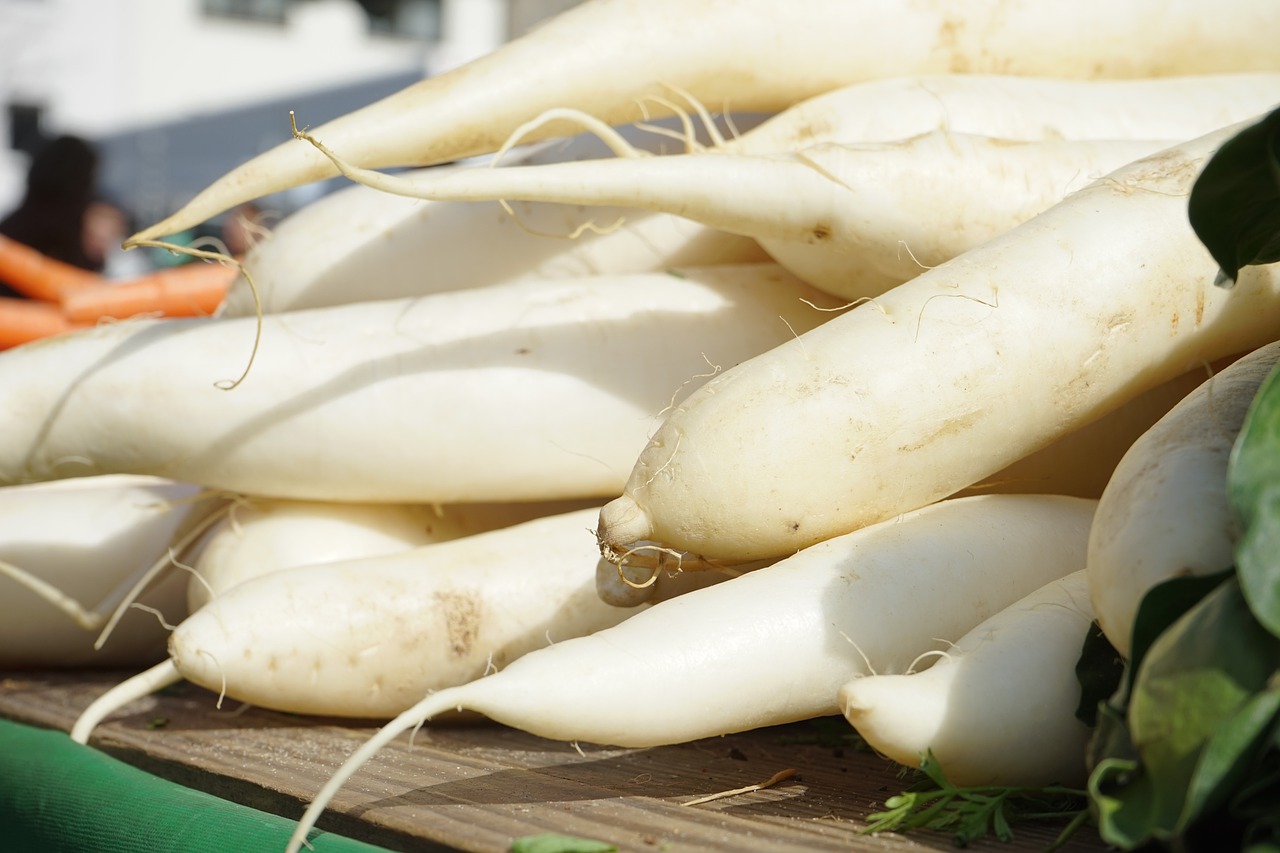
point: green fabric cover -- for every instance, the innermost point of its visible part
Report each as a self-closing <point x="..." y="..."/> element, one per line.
<point x="57" y="796"/>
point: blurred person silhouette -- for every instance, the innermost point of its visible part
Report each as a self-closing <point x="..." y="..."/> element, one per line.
<point x="57" y="215"/>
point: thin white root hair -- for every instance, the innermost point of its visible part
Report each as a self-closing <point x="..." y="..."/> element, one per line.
<point x="994" y="304"/>
<point x="803" y="350"/>
<point x="865" y="660"/>
<point x="589" y="225"/>
<point x="708" y="122"/>
<point x="664" y="465"/>
<point x="902" y="245"/>
<point x="932" y="653"/>
<point x="780" y="776"/>
<point x="160" y="565"/>
<point x="145" y="683"/>
<point x="687" y="136"/>
<point x="85" y="618"/>
<point x="227" y="261"/>
<point x="154" y="611"/>
<point x="195" y="574"/>
<point x="845" y="307"/>
<point x="222" y="676"/>
<point x="654" y="571"/>
<point x="589" y="124"/>
<point x="715" y="368"/>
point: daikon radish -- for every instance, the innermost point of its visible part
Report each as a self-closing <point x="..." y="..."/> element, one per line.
<point x="263" y="535"/>
<point x="949" y="377"/>
<point x="529" y="391"/>
<point x="1082" y="462"/>
<point x="1009" y="106"/>
<point x="82" y="543"/>
<point x="852" y="219"/>
<point x="356" y="245"/>
<point x="997" y="707"/>
<point x="748" y="55"/>
<point x="326" y="253"/>
<point x="1165" y="511"/>
<point x="370" y="637"/>
<point x="774" y="645"/>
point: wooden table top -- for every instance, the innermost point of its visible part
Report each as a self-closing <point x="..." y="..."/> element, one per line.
<point x="475" y="786"/>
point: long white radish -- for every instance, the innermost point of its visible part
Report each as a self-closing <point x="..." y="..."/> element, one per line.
<point x="528" y="391"/>
<point x="70" y="551"/>
<point x="264" y="535"/>
<point x="359" y="245"/>
<point x="751" y="55"/>
<point x="370" y="637"/>
<point x="949" y="377"/>
<point x="852" y="219"/>
<point x="1164" y="512"/>
<point x="356" y="245"/>
<point x="1082" y="462"/>
<point x="774" y="645"/>
<point x="998" y="706"/>
<point x="1008" y="106"/>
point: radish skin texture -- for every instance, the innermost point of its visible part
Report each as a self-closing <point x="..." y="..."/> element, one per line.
<point x="265" y="535"/>
<point x="998" y="707"/>
<point x="949" y="377"/>
<point x="1007" y="106"/>
<point x="88" y="538"/>
<point x="529" y="391"/>
<point x="773" y="645"/>
<point x="1164" y="512"/>
<point x="357" y="245"/>
<point x="1082" y="462"/>
<point x="851" y="219"/>
<point x="715" y="50"/>
<point x="370" y="637"/>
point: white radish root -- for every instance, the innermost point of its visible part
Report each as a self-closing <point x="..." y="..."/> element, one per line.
<point x="587" y="59"/>
<point x="530" y="391"/>
<point x="851" y="219"/>
<point x="949" y="377"/>
<point x="998" y="708"/>
<point x="1165" y="507"/>
<point x="776" y="644"/>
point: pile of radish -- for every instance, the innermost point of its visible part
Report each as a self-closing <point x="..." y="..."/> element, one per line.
<point x="836" y="361"/>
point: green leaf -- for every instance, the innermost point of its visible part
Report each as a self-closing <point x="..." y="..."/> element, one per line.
<point x="1230" y="755"/>
<point x="1253" y="488"/>
<point x="971" y="813"/>
<point x="551" y="842"/>
<point x="1124" y="802"/>
<point x="1110" y="738"/>
<point x="1235" y="202"/>
<point x="1195" y="676"/>
<point x="1163" y="605"/>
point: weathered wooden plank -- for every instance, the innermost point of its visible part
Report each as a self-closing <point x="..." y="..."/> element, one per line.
<point x="473" y="787"/>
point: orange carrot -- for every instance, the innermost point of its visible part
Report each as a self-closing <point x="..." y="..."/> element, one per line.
<point x="39" y="276"/>
<point x="26" y="320"/>
<point x="191" y="290"/>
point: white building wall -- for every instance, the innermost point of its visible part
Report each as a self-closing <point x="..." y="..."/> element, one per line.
<point x="102" y="66"/>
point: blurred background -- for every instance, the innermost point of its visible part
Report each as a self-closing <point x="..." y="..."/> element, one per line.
<point x="173" y="93"/>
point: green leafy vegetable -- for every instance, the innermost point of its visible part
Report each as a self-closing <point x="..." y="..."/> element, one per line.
<point x="1253" y="487"/>
<point x="551" y="842"/>
<point x="1235" y="203"/>
<point x="971" y="813"/>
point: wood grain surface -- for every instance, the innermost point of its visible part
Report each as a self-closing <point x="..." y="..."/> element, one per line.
<point x="474" y="786"/>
